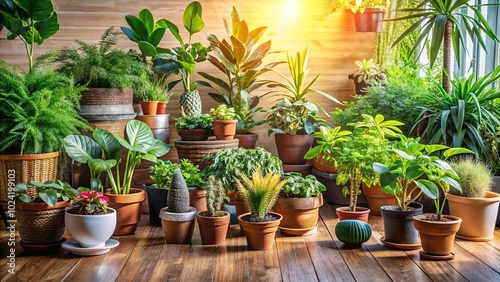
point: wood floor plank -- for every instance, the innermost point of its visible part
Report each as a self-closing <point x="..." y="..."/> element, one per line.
<point x="363" y="265"/>
<point x="470" y="267"/>
<point x="436" y="270"/>
<point x="263" y="265"/>
<point x="326" y="258"/>
<point x="65" y="264"/>
<point x="171" y="262"/>
<point x="294" y="259"/>
<point x="496" y="239"/>
<point x="202" y="258"/>
<point x="231" y="259"/>
<point x="483" y="251"/>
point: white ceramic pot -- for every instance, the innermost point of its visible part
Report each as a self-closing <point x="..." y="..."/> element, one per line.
<point x="91" y="231"/>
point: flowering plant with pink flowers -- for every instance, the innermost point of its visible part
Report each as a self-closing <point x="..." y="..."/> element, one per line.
<point x="89" y="203"/>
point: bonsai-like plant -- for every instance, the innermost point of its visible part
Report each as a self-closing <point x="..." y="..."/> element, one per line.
<point x="48" y="192"/>
<point x="330" y="139"/>
<point x="162" y="171"/>
<point x="32" y="21"/>
<point x="232" y="163"/>
<point x="368" y="71"/>
<point x="38" y="110"/>
<point x="178" y="194"/>
<point x="239" y="61"/>
<point x="475" y="178"/>
<point x="223" y="112"/>
<point x="440" y="19"/>
<point x="192" y="122"/>
<point x="360" y="5"/>
<point x="103" y="66"/>
<point x="103" y="153"/>
<point x="89" y="203"/>
<point x="216" y="194"/>
<point x="294" y="114"/>
<point x="182" y="60"/>
<point x="260" y="193"/>
<point x="297" y="186"/>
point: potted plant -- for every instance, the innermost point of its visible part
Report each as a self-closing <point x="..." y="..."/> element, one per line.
<point x="241" y="69"/>
<point x="224" y="123"/>
<point x="323" y="156"/>
<point x="367" y="144"/>
<point x="40" y="216"/>
<point x="39" y="109"/>
<point x="476" y="205"/>
<point x="194" y="128"/>
<point x="178" y="218"/>
<point x="299" y="204"/>
<point x="90" y="223"/>
<point x="368" y="14"/>
<point x="213" y="222"/>
<point x="260" y="194"/>
<point x="182" y="60"/>
<point x="293" y="117"/>
<point x="368" y="73"/>
<point x="102" y="153"/>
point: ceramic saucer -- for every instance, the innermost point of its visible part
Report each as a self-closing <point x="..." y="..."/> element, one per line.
<point x="76" y="249"/>
<point x="434" y="257"/>
<point x="400" y="246"/>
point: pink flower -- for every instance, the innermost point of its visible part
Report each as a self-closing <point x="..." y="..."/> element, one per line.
<point x="84" y="195"/>
<point x="103" y="199"/>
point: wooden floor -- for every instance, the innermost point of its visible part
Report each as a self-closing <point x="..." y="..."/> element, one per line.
<point x="321" y="257"/>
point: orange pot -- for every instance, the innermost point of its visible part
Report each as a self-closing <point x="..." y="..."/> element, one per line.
<point x="161" y="109"/>
<point x="377" y="198"/>
<point x="300" y="215"/>
<point x="359" y="214"/>
<point x="149" y="107"/>
<point x="437" y="236"/>
<point x="213" y="230"/>
<point x="128" y="210"/>
<point x="247" y="141"/>
<point x="197" y="198"/>
<point x="293" y="147"/>
<point x="224" y="129"/>
<point x="260" y="235"/>
<point x="319" y="165"/>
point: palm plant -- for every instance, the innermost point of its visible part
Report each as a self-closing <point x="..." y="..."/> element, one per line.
<point x="442" y="19"/>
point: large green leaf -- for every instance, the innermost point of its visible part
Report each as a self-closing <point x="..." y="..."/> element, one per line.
<point x="139" y="134"/>
<point x="81" y="148"/>
<point x="100" y="166"/>
<point x="147" y="48"/>
<point x="159" y="148"/>
<point x="140" y="30"/>
<point x="428" y="188"/>
<point x="48" y="27"/>
<point x="108" y="143"/>
<point x="192" y="18"/>
<point x="147" y="18"/>
<point x="38" y="10"/>
<point x="49" y="196"/>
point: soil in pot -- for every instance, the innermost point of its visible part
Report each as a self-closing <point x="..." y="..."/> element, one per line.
<point x="398" y="225"/>
<point x="437" y="237"/>
<point x="360" y="213"/>
<point x="377" y="198"/>
<point x="213" y="230"/>
<point x="128" y="210"/>
<point x="260" y="235"/>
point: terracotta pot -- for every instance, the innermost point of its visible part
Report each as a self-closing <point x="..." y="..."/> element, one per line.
<point x="196" y="150"/>
<point x="149" y="107"/>
<point x="260" y="235"/>
<point x="359" y="214"/>
<point x="128" y="210"/>
<point x="159" y="124"/>
<point x="319" y="165"/>
<point x="377" y="198"/>
<point x="437" y="236"/>
<point x="162" y="108"/>
<point x="300" y="215"/>
<point x="213" y="230"/>
<point x="247" y="141"/>
<point x="292" y="148"/>
<point x="304" y="169"/>
<point x="236" y="199"/>
<point x="197" y="198"/>
<point x="369" y="21"/>
<point x="197" y="134"/>
<point x="178" y="227"/>
<point x="224" y="129"/>
<point x="478" y="215"/>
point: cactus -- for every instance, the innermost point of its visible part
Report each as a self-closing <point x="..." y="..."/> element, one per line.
<point x="215" y="197"/>
<point x="178" y="195"/>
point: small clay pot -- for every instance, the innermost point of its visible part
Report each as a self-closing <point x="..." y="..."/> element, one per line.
<point x="224" y="129"/>
<point x="128" y="210"/>
<point x="260" y="235"/>
<point x="178" y="227"/>
<point x="213" y="230"/>
<point x="360" y="213"/>
<point x="437" y="237"/>
<point x="377" y="198"/>
<point x="149" y="107"/>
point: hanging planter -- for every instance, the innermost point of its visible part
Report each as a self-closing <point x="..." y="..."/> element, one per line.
<point x="369" y="21"/>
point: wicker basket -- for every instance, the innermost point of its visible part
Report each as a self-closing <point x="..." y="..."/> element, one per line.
<point x="39" y="167"/>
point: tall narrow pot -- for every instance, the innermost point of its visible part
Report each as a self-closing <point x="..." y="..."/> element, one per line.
<point x="260" y="235"/>
<point x="437" y="237"/>
<point x="128" y="210"/>
<point x="398" y="224"/>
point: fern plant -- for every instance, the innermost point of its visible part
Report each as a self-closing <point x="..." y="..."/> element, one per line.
<point x="260" y="193"/>
<point x="103" y="66"/>
<point x="38" y="110"/>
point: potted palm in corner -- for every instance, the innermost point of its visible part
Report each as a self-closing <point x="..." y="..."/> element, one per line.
<point x="213" y="222"/>
<point x="260" y="194"/>
<point x="90" y="223"/>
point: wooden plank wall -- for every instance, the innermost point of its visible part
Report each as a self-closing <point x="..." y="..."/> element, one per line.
<point x="292" y="25"/>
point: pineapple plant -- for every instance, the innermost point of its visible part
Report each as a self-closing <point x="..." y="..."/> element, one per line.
<point x="190" y="103"/>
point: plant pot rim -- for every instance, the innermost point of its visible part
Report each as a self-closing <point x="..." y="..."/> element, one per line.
<point x="386" y="208"/>
<point x="87" y="215"/>
<point x="454" y="219"/>
<point x="299" y="203"/>
<point x="225" y="121"/>
<point x="358" y="210"/>
<point x="135" y="195"/>
<point x="226" y="214"/>
<point x="184" y="216"/>
<point x="41" y="206"/>
<point x="491" y="197"/>
<point x="19" y="157"/>
<point x="280" y="217"/>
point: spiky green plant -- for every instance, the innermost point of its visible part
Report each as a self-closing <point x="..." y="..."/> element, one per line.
<point x="260" y="192"/>
<point x="475" y="178"/>
<point x="216" y="194"/>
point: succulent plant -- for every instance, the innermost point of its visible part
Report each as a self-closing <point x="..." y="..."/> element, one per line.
<point x="215" y="197"/>
<point x="178" y="195"/>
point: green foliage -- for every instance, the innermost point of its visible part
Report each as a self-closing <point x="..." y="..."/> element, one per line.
<point x="260" y="192"/>
<point x="223" y="112"/>
<point x="360" y="5"/>
<point x="329" y="142"/>
<point x="103" y="153"/>
<point x="475" y="178"/>
<point x="102" y="66"/>
<point x="288" y="117"/>
<point x="398" y="98"/>
<point x="368" y="71"/>
<point x="48" y="192"/>
<point x="239" y="62"/>
<point x="161" y="172"/>
<point x="32" y="21"/>
<point x="216" y="194"/>
<point x="192" y="122"/>
<point x="89" y="202"/>
<point x="38" y="110"/>
<point x="297" y="186"/>
<point x="231" y="163"/>
<point x="465" y="116"/>
<point x="155" y="89"/>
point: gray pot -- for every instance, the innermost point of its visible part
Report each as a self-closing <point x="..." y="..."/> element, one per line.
<point x="398" y="225"/>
